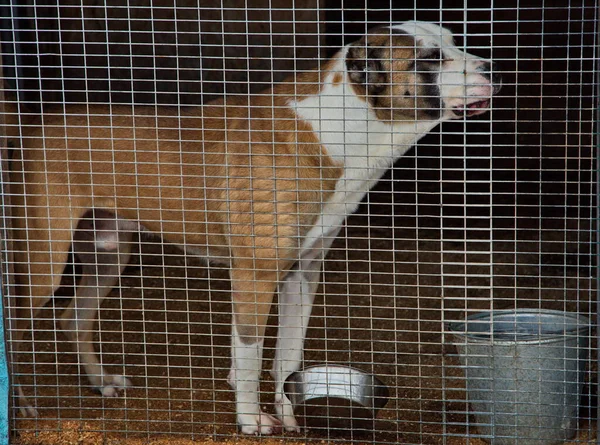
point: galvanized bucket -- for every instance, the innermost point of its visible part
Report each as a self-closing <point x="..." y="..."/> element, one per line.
<point x="524" y="373"/>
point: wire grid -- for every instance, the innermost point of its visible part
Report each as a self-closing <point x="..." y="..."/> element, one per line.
<point x="489" y="213"/>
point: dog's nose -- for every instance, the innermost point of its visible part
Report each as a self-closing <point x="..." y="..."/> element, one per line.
<point x="489" y="70"/>
<point x="488" y="67"/>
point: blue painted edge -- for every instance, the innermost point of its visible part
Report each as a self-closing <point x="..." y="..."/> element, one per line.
<point x="4" y="377"/>
<point x="4" y="380"/>
<point x="4" y="385"/>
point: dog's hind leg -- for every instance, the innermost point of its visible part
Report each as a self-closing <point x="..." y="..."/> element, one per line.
<point x="103" y="248"/>
<point x="42" y="237"/>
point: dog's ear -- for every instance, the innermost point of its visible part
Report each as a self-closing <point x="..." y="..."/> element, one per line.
<point x="365" y="67"/>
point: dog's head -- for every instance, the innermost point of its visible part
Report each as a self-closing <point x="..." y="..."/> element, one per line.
<point x="414" y="71"/>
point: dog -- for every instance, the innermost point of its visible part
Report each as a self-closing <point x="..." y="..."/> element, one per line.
<point x="262" y="184"/>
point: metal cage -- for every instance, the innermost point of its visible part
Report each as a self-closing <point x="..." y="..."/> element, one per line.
<point x="483" y="215"/>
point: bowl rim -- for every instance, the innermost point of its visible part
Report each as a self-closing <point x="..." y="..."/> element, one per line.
<point x="334" y="366"/>
<point x="377" y="382"/>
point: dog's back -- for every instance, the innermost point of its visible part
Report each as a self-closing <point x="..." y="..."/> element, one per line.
<point x="192" y="171"/>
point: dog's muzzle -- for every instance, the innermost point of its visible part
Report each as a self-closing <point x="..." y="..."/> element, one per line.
<point x="489" y="72"/>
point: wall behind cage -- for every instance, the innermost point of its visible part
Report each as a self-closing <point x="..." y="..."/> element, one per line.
<point x="159" y="52"/>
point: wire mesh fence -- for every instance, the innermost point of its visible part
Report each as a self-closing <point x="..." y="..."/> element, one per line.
<point x="142" y="137"/>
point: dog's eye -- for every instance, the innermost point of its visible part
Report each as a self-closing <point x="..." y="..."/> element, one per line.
<point x="433" y="56"/>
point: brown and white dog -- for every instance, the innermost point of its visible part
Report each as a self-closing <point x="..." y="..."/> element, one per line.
<point x="262" y="184"/>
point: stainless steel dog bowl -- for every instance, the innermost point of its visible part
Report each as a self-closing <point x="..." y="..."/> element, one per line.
<point x="336" y="397"/>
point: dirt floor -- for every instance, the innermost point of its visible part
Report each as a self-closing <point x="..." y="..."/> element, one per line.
<point x="389" y="290"/>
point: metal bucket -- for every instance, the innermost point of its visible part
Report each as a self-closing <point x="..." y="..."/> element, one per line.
<point x="524" y="373"/>
<point x="335" y="397"/>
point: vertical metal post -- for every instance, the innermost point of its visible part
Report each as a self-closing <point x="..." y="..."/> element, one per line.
<point x="596" y="90"/>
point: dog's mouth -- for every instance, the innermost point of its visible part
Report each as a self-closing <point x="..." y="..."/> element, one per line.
<point x="472" y="109"/>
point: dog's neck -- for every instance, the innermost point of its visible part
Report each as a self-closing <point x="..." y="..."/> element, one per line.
<point x="354" y="137"/>
<point x="348" y="128"/>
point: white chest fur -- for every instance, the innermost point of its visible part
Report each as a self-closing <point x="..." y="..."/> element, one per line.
<point x="354" y="137"/>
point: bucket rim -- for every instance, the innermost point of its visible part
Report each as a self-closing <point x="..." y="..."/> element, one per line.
<point x="458" y="328"/>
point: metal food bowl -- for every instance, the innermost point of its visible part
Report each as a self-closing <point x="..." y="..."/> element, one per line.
<point x="335" y="397"/>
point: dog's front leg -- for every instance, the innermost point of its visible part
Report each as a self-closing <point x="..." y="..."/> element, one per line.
<point x="296" y="299"/>
<point x="252" y="297"/>
<point x="295" y="305"/>
<point x="244" y="379"/>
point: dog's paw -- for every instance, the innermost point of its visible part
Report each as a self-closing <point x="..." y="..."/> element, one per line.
<point x="113" y="385"/>
<point x="262" y="424"/>
<point x="290" y="424"/>
<point x="285" y="413"/>
<point x="28" y="411"/>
